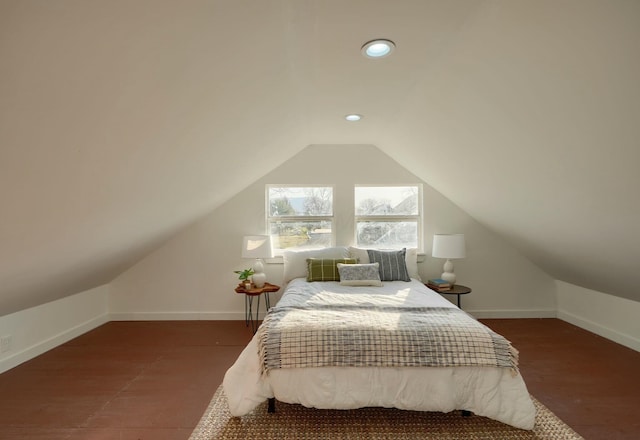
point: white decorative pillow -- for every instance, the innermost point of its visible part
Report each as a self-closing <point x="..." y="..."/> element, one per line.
<point x="411" y="259"/>
<point x="359" y="274"/>
<point x="359" y="254"/>
<point x="412" y="263"/>
<point x="295" y="262"/>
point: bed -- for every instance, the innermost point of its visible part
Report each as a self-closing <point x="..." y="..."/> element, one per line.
<point x="277" y="370"/>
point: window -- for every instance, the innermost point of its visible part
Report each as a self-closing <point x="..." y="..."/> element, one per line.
<point x="388" y="216"/>
<point x="300" y="217"/>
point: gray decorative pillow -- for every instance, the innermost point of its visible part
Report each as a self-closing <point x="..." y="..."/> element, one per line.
<point x="392" y="264"/>
<point x="411" y="259"/>
<point x="359" y="274"/>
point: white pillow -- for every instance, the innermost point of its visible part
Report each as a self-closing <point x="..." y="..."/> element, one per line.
<point x="359" y="254"/>
<point x="359" y="274"/>
<point x="295" y="262"/>
<point x="411" y="259"/>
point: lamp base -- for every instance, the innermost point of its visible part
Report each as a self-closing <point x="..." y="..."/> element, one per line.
<point x="448" y="274"/>
<point x="259" y="277"/>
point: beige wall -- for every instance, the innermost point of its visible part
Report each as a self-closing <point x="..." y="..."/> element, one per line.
<point x="606" y="315"/>
<point x="191" y="276"/>
<point x="38" y="329"/>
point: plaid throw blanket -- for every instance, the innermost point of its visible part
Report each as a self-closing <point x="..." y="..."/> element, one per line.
<point x="298" y="337"/>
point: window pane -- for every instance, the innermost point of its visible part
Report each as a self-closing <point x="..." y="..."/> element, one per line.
<point x="386" y="200"/>
<point x="296" y="234"/>
<point x="388" y="234"/>
<point x="297" y="201"/>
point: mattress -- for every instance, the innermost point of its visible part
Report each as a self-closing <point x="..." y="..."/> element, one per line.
<point x="492" y="392"/>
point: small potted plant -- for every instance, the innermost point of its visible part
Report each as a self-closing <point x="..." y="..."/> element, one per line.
<point x="243" y="276"/>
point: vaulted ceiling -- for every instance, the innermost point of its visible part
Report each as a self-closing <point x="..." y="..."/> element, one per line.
<point x="122" y="122"/>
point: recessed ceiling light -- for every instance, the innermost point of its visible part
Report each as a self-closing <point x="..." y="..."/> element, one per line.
<point x="353" y="117"/>
<point x="378" y="48"/>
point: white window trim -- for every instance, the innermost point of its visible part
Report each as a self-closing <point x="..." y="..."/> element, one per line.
<point x="418" y="218"/>
<point x="300" y="218"/>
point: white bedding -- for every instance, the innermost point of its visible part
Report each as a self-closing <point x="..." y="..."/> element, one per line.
<point x="486" y="391"/>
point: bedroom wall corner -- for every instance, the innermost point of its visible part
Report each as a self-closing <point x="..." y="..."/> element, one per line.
<point x="190" y="277"/>
<point x="606" y="315"/>
<point x="505" y="283"/>
<point x="38" y="329"/>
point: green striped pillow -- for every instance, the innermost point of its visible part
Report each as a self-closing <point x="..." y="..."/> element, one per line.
<point x="326" y="269"/>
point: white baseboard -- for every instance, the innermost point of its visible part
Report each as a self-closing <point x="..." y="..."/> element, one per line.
<point x="237" y="316"/>
<point x="178" y="316"/>
<point x="43" y="346"/>
<point x="598" y="329"/>
<point x="512" y="314"/>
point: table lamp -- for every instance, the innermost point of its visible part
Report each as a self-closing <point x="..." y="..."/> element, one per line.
<point x="449" y="246"/>
<point x="258" y="247"/>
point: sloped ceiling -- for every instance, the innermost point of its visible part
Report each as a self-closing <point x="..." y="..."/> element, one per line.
<point x="122" y="122"/>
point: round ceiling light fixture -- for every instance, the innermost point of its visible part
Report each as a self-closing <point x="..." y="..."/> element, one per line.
<point x="378" y="48"/>
<point x="353" y="117"/>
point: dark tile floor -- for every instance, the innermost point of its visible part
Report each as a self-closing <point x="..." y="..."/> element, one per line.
<point x="153" y="380"/>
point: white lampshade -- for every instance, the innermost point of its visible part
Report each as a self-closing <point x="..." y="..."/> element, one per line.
<point x="448" y="246"/>
<point x="257" y="246"/>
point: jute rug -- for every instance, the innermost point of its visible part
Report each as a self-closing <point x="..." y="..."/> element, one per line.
<point x="295" y="422"/>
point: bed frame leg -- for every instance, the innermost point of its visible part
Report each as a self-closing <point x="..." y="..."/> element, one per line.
<point x="271" y="405"/>
<point x="466" y="413"/>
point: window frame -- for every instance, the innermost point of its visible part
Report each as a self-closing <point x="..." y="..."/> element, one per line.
<point x="299" y="218"/>
<point x="418" y="218"/>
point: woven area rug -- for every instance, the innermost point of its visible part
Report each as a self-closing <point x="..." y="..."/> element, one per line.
<point x="295" y="422"/>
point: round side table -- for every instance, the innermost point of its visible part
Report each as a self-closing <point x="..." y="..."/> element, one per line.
<point x="456" y="289"/>
<point x="249" y="294"/>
